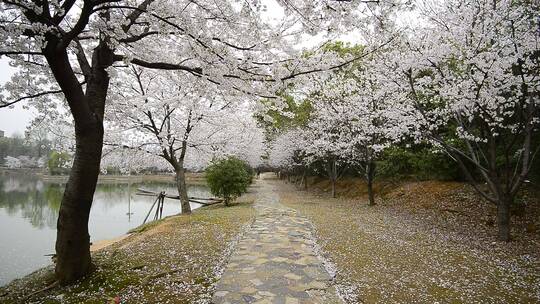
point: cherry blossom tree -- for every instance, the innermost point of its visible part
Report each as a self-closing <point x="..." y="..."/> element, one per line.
<point x="12" y="162"/>
<point x="157" y="113"/>
<point x="324" y="148"/>
<point x="352" y="113"/>
<point x="470" y="81"/>
<point x="351" y="121"/>
<point x="71" y="48"/>
<point x="242" y="139"/>
<point x="127" y="160"/>
<point x="286" y="149"/>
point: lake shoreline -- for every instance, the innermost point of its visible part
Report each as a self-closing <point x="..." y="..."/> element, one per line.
<point x="191" y="177"/>
<point x="29" y="207"/>
<point x="98" y="245"/>
<point x="174" y="259"/>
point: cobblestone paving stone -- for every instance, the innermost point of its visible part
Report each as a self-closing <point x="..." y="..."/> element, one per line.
<point x="275" y="262"/>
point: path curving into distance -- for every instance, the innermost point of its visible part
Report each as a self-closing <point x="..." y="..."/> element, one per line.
<point x="275" y="262"/>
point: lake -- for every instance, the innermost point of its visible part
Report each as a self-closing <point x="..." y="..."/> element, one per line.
<point x="29" y="210"/>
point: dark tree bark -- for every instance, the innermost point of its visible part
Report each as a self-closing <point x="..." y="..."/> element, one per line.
<point x="73" y="259"/>
<point x="180" y="176"/>
<point x="370" y="175"/>
<point x="333" y="188"/>
<point x="503" y="219"/>
<point x="73" y="241"/>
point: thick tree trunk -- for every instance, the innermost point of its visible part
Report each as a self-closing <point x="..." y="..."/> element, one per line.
<point x="503" y="219"/>
<point x="73" y="241"/>
<point x="73" y="259"/>
<point x="182" y="189"/>
<point x="370" y="174"/>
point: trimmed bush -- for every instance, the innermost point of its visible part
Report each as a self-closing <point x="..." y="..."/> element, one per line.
<point x="228" y="178"/>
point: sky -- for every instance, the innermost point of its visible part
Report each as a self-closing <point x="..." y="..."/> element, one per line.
<point x="12" y="120"/>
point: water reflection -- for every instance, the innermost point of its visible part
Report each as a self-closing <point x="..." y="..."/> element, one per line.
<point x="29" y="197"/>
<point x="29" y="210"/>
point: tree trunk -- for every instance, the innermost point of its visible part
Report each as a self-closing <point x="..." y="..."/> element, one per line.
<point x="182" y="189"/>
<point x="370" y="193"/>
<point x="73" y="260"/>
<point x="333" y="180"/>
<point x="73" y="241"/>
<point x="370" y="174"/>
<point x="503" y="219"/>
<point x="331" y="170"/>
<point x="303" y="179"/>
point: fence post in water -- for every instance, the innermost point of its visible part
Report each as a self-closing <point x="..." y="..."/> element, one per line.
<point x="150" y="210"/>
<point x="162" y="203"/>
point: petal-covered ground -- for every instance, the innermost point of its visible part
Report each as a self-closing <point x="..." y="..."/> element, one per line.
<point x="425" y="242"/>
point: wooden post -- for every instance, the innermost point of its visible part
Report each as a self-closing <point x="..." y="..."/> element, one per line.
<point x="150" y="210"/>
<point x="162" y="203"/>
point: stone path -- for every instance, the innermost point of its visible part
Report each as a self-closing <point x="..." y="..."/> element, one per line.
<point x="275" y="261"/>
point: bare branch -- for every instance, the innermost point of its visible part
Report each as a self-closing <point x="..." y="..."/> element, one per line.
<point x="160" y="65"/>
<point x="339" y="65"/>
<point x="19" y="53"/>
<point x="4" y="104"/>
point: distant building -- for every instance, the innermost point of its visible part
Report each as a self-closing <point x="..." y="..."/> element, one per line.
<point x="1" y="133"/>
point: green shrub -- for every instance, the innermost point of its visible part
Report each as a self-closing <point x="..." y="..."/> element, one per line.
<point x="59" y="163"/>
<point x="250" y="171"/>
<point x="228" y="178"/>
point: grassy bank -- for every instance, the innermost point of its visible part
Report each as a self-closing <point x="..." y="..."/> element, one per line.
<point x="175" y="260"/>
<point x="425" y="242"/>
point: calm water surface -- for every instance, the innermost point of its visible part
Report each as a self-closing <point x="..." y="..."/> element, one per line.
<point x="29" y="209"/>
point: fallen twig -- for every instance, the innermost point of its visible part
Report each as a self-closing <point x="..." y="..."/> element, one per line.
<point x="51" y="286"/>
